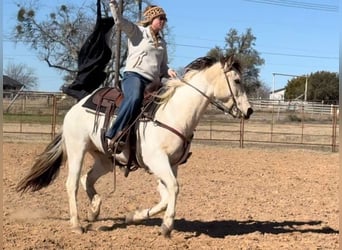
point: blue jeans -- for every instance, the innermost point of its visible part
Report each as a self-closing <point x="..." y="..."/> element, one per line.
<point x="133" y="86"/>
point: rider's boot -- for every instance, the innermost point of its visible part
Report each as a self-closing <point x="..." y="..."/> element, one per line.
<point x="117" y="143"/>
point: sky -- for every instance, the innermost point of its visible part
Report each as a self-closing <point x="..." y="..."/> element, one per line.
<point x="293" y="37"/>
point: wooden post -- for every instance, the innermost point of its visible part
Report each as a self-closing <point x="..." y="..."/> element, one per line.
<point x="242" y="131"/>
<point x="140" y="9"/>
<point x="118" y="48"/>
<point x="54" y="117"/>
<point x="334" y="129"/>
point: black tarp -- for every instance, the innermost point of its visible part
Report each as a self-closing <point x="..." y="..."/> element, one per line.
<point x="92" y="59"/>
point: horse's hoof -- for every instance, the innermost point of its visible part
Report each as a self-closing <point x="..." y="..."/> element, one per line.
<point x="94" y="211"/>
<point x="78" y="230"/>
<point x="129" y="218"/>
<point x="92" y="216"/>
<point x="166" y="231"/>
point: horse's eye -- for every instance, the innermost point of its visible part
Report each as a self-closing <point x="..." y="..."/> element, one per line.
<point x="237" y="81"/>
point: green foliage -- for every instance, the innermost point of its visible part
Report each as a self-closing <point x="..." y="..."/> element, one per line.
<point x="243" y="47"/>
<point x="295" y="88"/>
<point x="322" y="86"/>
<point x="216" y="52"/>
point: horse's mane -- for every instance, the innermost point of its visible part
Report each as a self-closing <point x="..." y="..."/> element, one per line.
<point x="198" y="65"/>
<point x="192" y="68"/>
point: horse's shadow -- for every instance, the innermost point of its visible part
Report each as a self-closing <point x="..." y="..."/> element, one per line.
<point x="223" y="228"/>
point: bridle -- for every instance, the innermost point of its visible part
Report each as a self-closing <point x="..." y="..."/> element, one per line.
<point x="233" y="111"/>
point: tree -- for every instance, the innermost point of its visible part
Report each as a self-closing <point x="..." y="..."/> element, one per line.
<point x="243" y="47"/>
<point x="23" y="74"/>
<point x="322" y="86"/>
<point x="295" y="88"/>
<point x="58" y="38"/>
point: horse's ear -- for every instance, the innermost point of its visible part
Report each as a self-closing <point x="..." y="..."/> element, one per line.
<point x="230" y="60"/>
<point x="227" y="61"/>
<point x="222" y="60"/>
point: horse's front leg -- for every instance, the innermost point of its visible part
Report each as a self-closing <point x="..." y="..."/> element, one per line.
<point x="144" y="214"/>
<point x="168" y="189"/>
<point x="170" y="213"/>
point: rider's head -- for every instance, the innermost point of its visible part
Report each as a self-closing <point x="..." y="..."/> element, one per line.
<point x="152" y="12"/>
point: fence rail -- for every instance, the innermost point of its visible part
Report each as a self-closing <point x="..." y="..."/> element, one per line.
<point x="38" y="116"/>
<point x="311" y="108"/>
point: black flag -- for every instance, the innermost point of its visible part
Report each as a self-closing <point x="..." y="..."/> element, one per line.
<point x="92" y="59"/>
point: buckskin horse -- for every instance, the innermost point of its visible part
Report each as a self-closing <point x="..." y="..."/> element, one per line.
<point x="162" y="142"/>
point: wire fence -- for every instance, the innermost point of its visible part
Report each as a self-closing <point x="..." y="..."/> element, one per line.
<point x="38" y="116"/>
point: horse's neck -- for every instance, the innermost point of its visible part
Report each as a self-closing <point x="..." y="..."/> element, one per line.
<point x="184" y="110"/>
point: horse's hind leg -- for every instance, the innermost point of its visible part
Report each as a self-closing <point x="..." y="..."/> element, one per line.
<point x="75" y="160"/>
<point x="102" y="166"/>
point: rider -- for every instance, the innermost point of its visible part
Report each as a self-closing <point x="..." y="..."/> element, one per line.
<point x="146" y="62"/>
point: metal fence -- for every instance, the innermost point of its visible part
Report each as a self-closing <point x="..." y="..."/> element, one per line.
<point x="34" y="116"/>
<point x="275" y="124"/>
<point x="37" y="116"/>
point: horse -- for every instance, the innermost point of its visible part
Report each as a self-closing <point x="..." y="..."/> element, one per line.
<point x="162" y="142"/>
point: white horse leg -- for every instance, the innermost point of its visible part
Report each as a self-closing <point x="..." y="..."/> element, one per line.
<point x="101" y="167"/>
<point x="164" y="197"/>
<point x="144" y="214"/>
<point x="160" y="207"/>
<point x="168" y="189"/>
<point x="171" y="184"/>
<point x="172" y="188"/>
<point x="75" y="160"/>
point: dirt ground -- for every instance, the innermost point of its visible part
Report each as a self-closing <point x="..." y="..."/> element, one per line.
<point x="230" y="198"/>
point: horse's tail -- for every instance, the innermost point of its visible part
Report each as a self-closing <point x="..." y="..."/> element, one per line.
<point x="46" y="167"/>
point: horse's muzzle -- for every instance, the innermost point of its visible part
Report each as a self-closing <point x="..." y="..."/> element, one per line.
<point x="249" y="113"/>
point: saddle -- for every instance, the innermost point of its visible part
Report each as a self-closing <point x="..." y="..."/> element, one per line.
<point x="106" y="100"/>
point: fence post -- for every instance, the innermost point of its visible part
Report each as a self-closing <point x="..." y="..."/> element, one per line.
<point x="211" y="130"/>
<point x="334" y="125"/>
<point x="242" y="129"/>
<point x="272" y="123"/>
<point x="303" y="118"/>
<point x="54" y="115"/>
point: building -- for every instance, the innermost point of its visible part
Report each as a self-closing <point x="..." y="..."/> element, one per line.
<point x="10" y="86"/>
<point x="278" y="94"/>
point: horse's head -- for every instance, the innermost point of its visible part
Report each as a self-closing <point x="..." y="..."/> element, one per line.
<point x="230" y="91"/>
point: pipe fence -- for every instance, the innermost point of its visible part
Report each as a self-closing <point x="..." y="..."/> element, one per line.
<point x="38" y="116"/>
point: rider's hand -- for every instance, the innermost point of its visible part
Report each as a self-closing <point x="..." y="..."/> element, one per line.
<point x="172" y="73"/>
<point x="114" y="8"/>
<point x="113" y="3"/>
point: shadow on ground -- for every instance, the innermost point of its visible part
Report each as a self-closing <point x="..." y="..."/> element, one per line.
<point x="222" y="228"/>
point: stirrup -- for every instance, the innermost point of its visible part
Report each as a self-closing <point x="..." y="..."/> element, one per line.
<point x="114" y="146"/>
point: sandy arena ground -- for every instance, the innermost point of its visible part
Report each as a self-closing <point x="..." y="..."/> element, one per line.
<point x="230" y="198"/>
